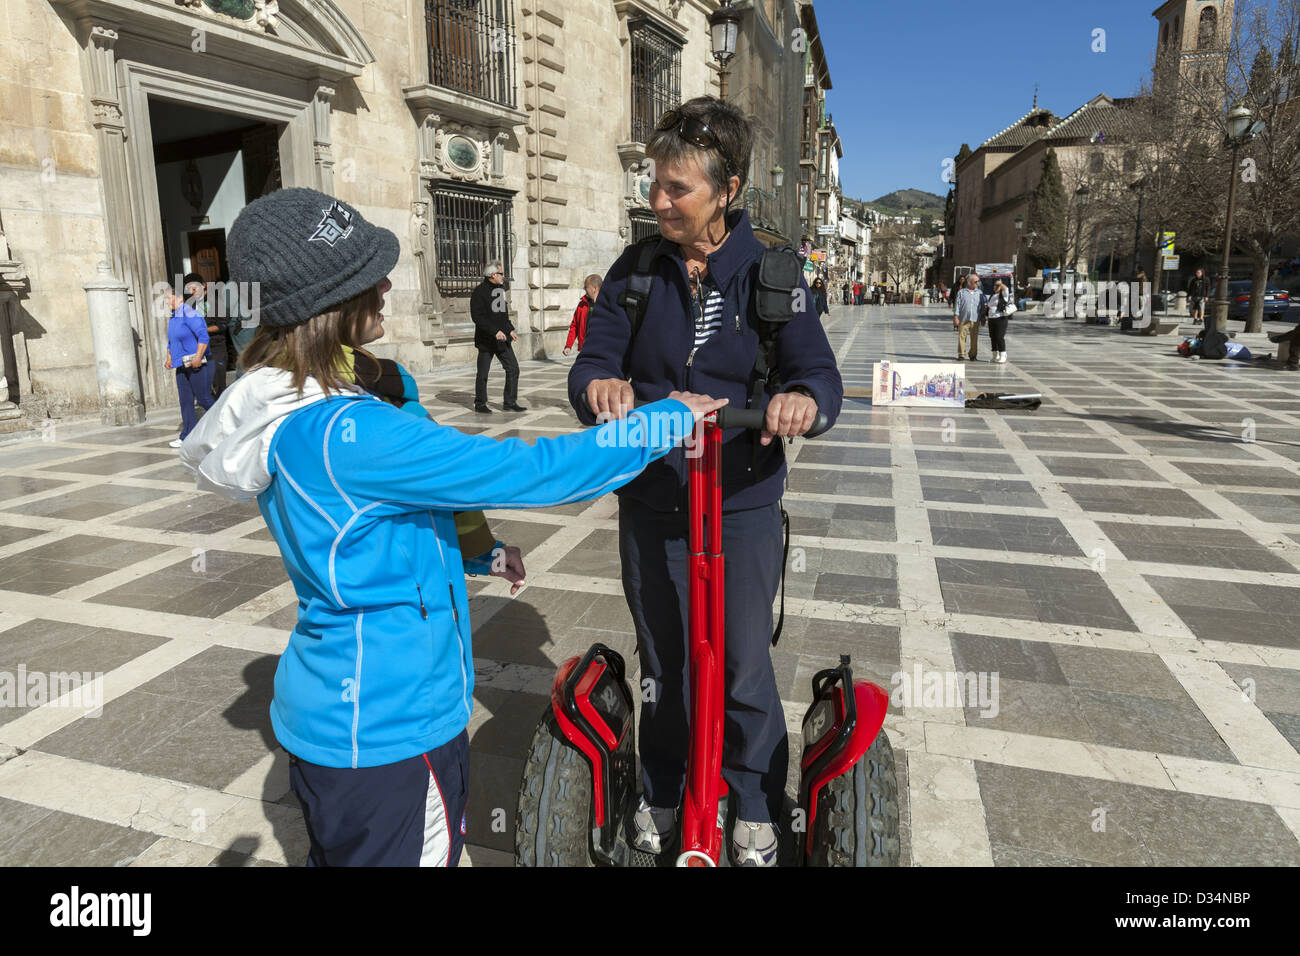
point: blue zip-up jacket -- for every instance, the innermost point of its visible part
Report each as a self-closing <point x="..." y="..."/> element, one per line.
<point x="661" y="361"/>
<point x="185" y="330"/>
<point x="359" y="497"/>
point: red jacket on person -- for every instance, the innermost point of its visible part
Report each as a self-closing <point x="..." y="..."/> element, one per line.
<point x="578" y="327"/>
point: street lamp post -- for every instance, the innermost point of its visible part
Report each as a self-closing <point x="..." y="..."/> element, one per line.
<point x="1080" y="203"/>
<point x="1020" y="225"/>
<point x="1238" y="129"/>
<point x="724" y="29"/>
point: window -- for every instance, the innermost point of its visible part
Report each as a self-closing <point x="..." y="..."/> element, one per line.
<point x="644" y="224"/>
<point x="1130" y="161"/>
<point x="1096" y="162"/>
<point x="1164" y="36"/>
<point x="656" y="76"/>
<point x="1208" y="33"/>
<point x="472" y="227"/>
<point x="803" y="200"/>
<point x="472" y="47"/>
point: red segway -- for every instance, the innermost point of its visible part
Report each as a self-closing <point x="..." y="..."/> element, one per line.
<point x="579" y="787"/>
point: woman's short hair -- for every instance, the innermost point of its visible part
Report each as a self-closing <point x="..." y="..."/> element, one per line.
<point x="735" y="141"/>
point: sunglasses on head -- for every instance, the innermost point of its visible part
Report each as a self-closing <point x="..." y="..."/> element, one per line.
<point x="696" y="133"/>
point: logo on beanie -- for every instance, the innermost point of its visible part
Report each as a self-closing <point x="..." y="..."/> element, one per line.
<point x="335" y="225"/>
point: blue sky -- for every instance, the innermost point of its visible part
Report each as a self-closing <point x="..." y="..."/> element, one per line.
<point x="914" y="79"/>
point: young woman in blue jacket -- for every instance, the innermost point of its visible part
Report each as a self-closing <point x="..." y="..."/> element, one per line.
<point x="374" y="691"/>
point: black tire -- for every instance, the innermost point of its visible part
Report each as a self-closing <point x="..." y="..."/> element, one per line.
<point x="857" y="813"/>
<point x="554" y="811"/>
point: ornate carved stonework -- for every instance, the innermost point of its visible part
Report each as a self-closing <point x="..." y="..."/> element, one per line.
<point x="267" y="11"/>
<point x="636" y="175"/>
<point x="462" y="152"/>
<point x="107" y="113"/>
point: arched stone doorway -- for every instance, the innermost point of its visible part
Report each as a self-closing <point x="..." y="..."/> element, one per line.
<point x="278" y="70"/>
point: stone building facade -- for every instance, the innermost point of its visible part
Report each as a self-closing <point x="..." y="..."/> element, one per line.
<point x="134" y="131"/>
<point x="996" y="181"/>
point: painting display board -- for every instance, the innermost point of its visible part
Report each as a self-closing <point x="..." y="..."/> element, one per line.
<point x="919" y="384"/>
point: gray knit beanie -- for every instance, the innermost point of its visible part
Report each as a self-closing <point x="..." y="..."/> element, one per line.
<point x="308" y="252"/>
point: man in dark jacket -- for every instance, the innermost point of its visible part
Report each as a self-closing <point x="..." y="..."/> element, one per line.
<point x="1198" y="290"/>
<point x="493" y="334"/>
<point x="699" y="332"/>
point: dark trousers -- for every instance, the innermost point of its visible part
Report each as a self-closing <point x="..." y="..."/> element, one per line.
<point x="193" y="385"/>
<point x="654" y="550"/>
<point x="998" y="333"/>
<point x="219" y="359"/>
<point x="506" y="354"/>
<point x="409" y="813"/>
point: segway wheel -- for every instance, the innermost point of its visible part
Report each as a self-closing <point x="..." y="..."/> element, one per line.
<point x="857" y="813"/>
<point x="554" y="810"/>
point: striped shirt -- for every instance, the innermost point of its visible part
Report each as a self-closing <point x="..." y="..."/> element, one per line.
<point x="711" y="320"/>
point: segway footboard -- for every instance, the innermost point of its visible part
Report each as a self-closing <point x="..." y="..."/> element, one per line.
<point x="848" y="788"/>
<point x="580" y="774"/>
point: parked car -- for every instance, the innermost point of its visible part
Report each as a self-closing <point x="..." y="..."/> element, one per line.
<point x="1276" y="301"/>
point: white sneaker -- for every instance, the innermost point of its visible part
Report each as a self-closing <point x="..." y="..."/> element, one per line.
<point x="753" y="844"/>
<point x="175" y="443"/>
<point x="654" y="827"/>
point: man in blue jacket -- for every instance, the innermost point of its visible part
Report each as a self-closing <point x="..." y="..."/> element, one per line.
<point x="699" y="333"/>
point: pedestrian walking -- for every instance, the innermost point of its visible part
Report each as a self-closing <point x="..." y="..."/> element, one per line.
<point x="578" y="327"/>
<point x="373" y="693"/>
<point x="187" y="353"/>
<point x="701" y="325"/>
<point x="493" y="333"/>
<point x="1001" y="306"/>
<point x="1198" y="290"/>
<point x="218" y="354"/>
<point x="846" y="293"/>
<point x="966" y="318"/>
<point x="819" y="298"/>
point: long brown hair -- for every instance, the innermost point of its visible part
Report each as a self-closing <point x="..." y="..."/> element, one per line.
<point x="314" y="349"/>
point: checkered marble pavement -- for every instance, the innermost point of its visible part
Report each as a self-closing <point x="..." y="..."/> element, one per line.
<point x="1125" y="562"/>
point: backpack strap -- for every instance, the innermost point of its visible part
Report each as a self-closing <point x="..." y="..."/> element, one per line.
<point x="779" y="272"/>
<point x="636" y="297"/>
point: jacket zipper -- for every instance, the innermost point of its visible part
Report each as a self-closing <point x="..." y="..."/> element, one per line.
<point x="423" y="611"/>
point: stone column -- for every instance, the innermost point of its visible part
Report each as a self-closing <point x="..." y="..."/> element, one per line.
<point x="322" y="149"/>
<point x="120" y="399"/>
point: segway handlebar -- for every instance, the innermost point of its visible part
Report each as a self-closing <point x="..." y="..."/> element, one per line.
<point x="749" y="418"/>
<point x="755" y="418"/>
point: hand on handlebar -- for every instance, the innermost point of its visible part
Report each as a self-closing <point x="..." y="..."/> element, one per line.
<point x="611" y="398"/>
<point x="789" y="415"/>
<point x="700" y="405"/>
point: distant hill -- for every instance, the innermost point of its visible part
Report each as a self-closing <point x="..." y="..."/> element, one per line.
<point x="922" y="204"/>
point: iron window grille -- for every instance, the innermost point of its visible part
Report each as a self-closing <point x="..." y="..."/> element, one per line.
<point x="473" y="225"/>
<point x="472" y="47"/>
<point x="644" y="224"/>
<point x="656" y="76"/>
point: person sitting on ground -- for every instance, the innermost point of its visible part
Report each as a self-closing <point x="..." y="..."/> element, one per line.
<point x="1292" y="339"/>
